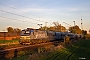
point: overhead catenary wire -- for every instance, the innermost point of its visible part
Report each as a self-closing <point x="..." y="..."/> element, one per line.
<point x="17" y="9"/>
<point x="20" y="10"/>
<point x="20" y="15"/>
<point x="67" y="23"/>
<point x="16" y="19"/>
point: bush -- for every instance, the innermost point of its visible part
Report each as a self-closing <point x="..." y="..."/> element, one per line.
<point x="21" y="53"/>
<point x="67" y="40"/>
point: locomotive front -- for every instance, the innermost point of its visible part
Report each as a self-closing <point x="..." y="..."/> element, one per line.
<point x="25" y="36"/>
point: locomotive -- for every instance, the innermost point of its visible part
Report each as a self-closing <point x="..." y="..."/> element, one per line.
<point x="32" y="36"/>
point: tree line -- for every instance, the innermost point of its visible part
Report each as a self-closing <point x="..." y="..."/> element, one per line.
<point x="58" y="27"/>
<point x="13" y="30"/>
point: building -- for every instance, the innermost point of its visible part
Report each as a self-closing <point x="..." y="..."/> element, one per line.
<point x="9" y="36"/>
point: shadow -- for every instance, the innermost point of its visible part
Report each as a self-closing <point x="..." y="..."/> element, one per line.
<point x="79" y="50"/>
<point x="15" y="53"/>
<point x="3" y="54"/>
<point x="57" y="43"/>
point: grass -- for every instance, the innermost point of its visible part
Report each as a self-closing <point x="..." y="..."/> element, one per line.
<point x="7" y="41"/>
<point x="83" y="51"/>
<point x="20" y="57"/>
<point x="24" y="54"/>
<point x="79" y="50"/>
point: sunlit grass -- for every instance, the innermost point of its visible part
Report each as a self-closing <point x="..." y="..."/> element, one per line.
<point x="8" y="41"/>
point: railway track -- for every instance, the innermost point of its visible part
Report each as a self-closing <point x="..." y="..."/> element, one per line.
<point x="25" y="46"/>
<point x="6" y="46"/>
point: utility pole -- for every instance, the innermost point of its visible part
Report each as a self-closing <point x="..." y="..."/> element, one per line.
<point x="81" y="24"/>
<point x="40" y="25"/>
<point x="46" y="25"/>
<point x="74" y="23"/>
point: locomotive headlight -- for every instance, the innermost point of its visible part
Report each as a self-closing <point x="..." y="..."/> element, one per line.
<point x="21" y="37"/>
<point x="24" y="37"/>
<point x="27" y="37"/>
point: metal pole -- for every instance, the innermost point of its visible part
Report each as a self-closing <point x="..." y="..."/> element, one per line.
<point x="40" y="25"/>
<point x="74" y="23"/>
<point x="81" y="24"/>
<point x="46" y="25"/>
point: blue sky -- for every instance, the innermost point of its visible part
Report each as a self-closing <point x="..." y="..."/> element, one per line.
<point x="43" y="10"/>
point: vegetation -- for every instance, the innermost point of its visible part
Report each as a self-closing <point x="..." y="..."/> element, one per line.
<point x="16" y="30"/>
<point x="57" y="27"/>
<point x="66" y="40"/>
<point x="7" y="41"/>
<point x="23" y="57"/>
<point x="60" y="28"/>
<point x="75" y="29"/>
<point x="79" y="50"/>
<point x="84" y="32"/>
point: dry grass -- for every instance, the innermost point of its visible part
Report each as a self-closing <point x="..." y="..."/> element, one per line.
<point x="39" y="56"/>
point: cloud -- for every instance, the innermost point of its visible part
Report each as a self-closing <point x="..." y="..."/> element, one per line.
<point x="37" y="10"/>
<point x="73" y="9"/>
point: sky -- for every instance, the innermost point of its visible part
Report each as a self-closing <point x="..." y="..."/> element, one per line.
<point x="28" y="13"/>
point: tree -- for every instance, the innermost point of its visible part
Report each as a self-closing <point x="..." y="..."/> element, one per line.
<point x="10" y="29"/>
<point x="13" y="30"/>
<point x="53" y="28"/>
<point x="89" y="31"/>
<point x="57" y="27"/>
<point x="17" y="30"/>
<point x="84" y="32"/>
<point x="43" y="28"/>
<point x="75" y="30"/>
